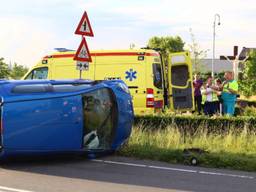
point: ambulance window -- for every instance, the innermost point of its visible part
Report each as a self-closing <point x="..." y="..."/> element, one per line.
<point x="157" y="71"/>
<point x="29" y="76"/>
<point x="39" y="73"/>
<point x="179" y="75"/>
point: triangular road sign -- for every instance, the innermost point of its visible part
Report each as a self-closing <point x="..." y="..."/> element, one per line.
<point x="82" y="53"/>
<point x="84" y="26"/>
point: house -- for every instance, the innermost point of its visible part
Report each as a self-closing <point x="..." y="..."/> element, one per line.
<point x="205" y="65"/>
<point x="245" y="52"/>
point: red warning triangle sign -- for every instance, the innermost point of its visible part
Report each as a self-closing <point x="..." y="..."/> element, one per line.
<point x="84" y="26"/>
<point x="82" y="53"/>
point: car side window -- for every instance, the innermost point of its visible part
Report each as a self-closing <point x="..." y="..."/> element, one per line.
<point x="38" y="73"/>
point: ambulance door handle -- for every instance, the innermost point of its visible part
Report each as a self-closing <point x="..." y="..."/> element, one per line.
<point x="170" y="95"/>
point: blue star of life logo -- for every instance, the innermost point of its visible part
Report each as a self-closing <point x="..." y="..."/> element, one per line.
<point x="131" y="75"/>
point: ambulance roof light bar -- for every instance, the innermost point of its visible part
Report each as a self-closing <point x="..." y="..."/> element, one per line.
<point x="63" y="49"/>
<point x="155" y="49"/>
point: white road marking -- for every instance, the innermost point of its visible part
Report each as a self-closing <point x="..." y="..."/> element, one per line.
<point x="8" y="189"/>
<point x="97" y="160"/>
<point x="225" y="174"/>
<point x="174" y="169"/>
<point x="123" y="163"/>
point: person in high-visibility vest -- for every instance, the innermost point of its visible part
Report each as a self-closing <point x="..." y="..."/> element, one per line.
<point x="218" y="88"/>
<point x="210" y="98"/>
<point x="229" y="94"/>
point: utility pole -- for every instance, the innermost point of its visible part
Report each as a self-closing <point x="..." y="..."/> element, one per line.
<point x="216" y="16"/>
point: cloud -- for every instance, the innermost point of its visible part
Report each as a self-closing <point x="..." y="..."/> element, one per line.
<point x="23" y="41"/>
<point x="175" y="18"/>
<point x="30" y="29"/>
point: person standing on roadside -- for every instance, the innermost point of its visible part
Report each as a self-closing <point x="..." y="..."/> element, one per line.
<point x="229" y="93"/>
<point x="218" y="87"/>
<point x="210" y="98"/>
<point x="197" y="83"/>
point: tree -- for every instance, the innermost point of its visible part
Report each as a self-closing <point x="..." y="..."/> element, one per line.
<point x="197" y="53"/>
<point x="4" y="70"/>
<point x="166" y="45"/>
<point x="248" y="81"/>
<point x="18" y="71"/>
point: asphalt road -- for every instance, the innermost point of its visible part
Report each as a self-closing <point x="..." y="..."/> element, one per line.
<point x="113" y="173"/>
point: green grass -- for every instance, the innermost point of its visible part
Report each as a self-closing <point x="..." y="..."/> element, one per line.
<point x="249" y="111"/>
<point x="228" y="150"/>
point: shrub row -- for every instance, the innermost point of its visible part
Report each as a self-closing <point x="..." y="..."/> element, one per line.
<point x="193" y="124"/>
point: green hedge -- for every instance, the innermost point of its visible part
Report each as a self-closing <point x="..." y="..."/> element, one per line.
<point x="193" y="124"/>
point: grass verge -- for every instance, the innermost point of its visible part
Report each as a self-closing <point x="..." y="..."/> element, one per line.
<point x="232" y="150"/>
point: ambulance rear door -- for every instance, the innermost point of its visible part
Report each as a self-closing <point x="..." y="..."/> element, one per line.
<point x="180" y="87"/>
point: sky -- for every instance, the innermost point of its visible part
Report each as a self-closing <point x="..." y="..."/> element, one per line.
<point x="31" y="29"/>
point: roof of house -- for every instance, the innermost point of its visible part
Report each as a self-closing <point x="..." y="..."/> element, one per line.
<point x="245" y="52"/>
<point x="219" y="65"/>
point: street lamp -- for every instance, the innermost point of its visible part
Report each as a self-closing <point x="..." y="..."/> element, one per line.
<point x="216" y="16"/>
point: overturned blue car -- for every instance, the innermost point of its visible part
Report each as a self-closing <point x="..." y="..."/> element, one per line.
<point x="48" y="116"/>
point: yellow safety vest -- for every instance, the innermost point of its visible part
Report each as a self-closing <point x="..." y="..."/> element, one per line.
<point x="214" y="97"/>
<point x="232" y="85"/>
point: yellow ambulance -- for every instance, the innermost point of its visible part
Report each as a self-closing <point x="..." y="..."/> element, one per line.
<point x="141" y="70"/>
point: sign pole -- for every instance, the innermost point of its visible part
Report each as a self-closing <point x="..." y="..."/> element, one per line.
<point x="80" y="74"/>
<point x="80" y="70"/>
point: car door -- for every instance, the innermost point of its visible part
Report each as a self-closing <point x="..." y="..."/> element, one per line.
<point x="43" y="124"/>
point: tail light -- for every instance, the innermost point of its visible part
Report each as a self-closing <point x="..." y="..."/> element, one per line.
<point x="150" y="98"/>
